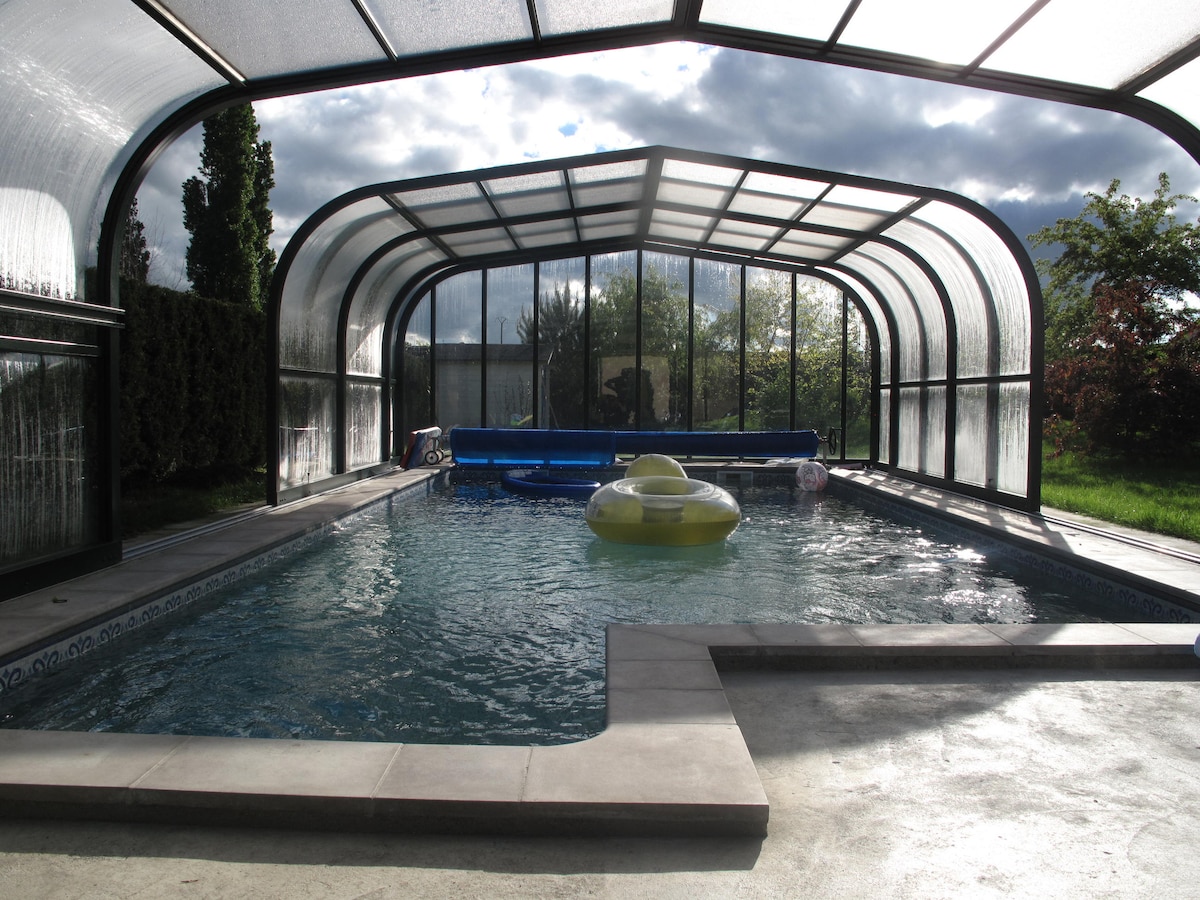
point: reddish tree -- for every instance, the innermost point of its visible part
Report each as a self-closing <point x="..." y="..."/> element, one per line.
<point x="1131" y="383"/>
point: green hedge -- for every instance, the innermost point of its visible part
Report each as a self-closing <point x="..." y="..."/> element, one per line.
<point x="193" y="382"/>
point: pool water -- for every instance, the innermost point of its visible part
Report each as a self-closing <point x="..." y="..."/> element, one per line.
<point x="476" y="616"/>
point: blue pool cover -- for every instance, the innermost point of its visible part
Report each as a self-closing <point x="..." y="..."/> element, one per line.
<point x="569" y="449"/>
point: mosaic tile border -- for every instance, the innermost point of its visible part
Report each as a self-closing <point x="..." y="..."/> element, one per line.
<point x="1107" y="590"/>
<point x="62" y="650"/>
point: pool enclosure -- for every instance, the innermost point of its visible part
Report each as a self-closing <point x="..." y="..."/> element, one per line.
<point x="940" y="302"/>
<point x="661" y="289"/>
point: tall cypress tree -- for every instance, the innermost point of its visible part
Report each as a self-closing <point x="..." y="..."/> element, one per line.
<point x="135" y="255"/>
<point x="226" y="210"/>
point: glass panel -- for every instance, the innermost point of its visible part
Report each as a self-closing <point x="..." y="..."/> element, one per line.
<point x="878" y="320"/>
<point x="718" y="334"/>
<point x="452" y="204"/>
<point x="1012" y="423"/>
<point x="613" y="313"/>
<point x="743" y="235"/>
<point x="809" y="246"/>
<point x="971" y="435"/>
<point x="566" y="16"/>
<point x="612" y="225"/>
<point x="947" y="31"/>
<point x="668" y="225"/>
<point x="910" y="446"/>
<point x="1007" y="295"/>
<point x="48" y="454"/>
<point x="1110" y="42"/>
<point x="607" y="183"/>
<point x="911" y="337"/>
<point x="303" y="34"/>
<point x="885" y="427"/>
<point x="316" y="282"/>
<point x="664" y="342"/>
<point x="856" y="442"/>
<point x="458" y="349"/>
<point x="364" y="420"/>
<point x="977" y="331"/>
<point x="763" y="194"/>
<point x="306" y="429"/>
<point x="930" y="309"/>
<point x="695" y="184"/>
<point x="416" y="400"/>
<point x="510" y="357"/>
<point x="419" y="26"/>
<point x="529" y="194"/>
<point x="818" y="356"/>
<point x="560" y="345"/>
<point x="74" y="95"/>
<point x="813" y="19"/>
<point x="933" y="434"/>
<point x="768" y="350"/>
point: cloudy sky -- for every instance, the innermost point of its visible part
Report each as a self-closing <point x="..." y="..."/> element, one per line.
<point x="1030" y="161"/>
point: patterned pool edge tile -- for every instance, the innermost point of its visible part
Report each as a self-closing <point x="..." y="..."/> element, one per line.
<point x="1106" y="590"/>
<point x="65" y="649"/>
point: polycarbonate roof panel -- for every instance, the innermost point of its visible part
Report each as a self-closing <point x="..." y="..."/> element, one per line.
<point x="567" y="16"/>
<point x="451" y="204"/>
<point x="275" y="37"/>
<point x="948" y="31"/>
<point x="1100" y="44"/>
<point x="814" y="20"/>
<point x="764" y="194"/>
<point x="421" y="26"/>
<point x="529" y="194"/>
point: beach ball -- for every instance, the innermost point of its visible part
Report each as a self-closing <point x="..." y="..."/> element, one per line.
<point x="812" y="476"/>
<point x="655" y="464"/>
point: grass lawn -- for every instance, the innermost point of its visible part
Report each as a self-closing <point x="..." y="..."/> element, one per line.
<point x="1162" y="496"/>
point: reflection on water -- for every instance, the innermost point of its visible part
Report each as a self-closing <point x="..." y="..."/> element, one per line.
<point x="478" y="617"/>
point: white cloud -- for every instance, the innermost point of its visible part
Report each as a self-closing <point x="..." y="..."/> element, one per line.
<point x="1031" y="159"/>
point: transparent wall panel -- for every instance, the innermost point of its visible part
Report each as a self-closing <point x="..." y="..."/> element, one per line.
<point x="972" y="455"/>
<point x="910" y="342"/>
<point x="716" y="357"/>
<point x="933" y="432"/>
<point x="885" y="427"/>
<point x="48" y="453"/>
<point x="458" y="351"/>
<point x="1012" y="473"/>
<point x="975" y="319"/>
<point x="768" y="338"/>
<point x="911" y="418"/>
<point x="1007" y="291"/>
<point x="818" y="357"/>
<point x="613" y="353"/>
<point x="316" y="283"/>
<point x="856" y="441"/>
<point x="306" y="429"/>
<point x="416" y="372"/>
<point x="80" y="82"/>
<point x="560" y="345"/>
<point x="510" y="357"/>
<point x="664" y="372"/>
<point x="930" y="353"/>
<point x="364" y="424"/>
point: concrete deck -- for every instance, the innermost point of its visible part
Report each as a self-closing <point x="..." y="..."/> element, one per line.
<point x="680" y="756"/>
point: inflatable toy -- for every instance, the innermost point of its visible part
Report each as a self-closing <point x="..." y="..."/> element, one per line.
<point x="547" y="484"/>
<point x="655" y="464"/>
<point x="812" y="476"/>
<point x="662" y="509"/>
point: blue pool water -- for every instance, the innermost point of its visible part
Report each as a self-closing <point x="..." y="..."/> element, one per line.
<point x="476" y="616"/>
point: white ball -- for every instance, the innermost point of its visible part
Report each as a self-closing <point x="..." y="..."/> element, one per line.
<point x="812" y="476"/>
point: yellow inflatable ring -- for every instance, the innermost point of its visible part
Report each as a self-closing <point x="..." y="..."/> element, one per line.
<point x="664" y="510"/>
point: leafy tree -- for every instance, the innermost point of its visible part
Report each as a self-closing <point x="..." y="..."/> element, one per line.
<point x="560" y="342"/>
<point x="226" y="211"/>
<point x="1114" y="239"/>
<point x="135" y="256"/>
<point x="1133" y="389"/>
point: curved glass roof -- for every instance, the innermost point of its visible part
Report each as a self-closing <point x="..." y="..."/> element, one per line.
<point x="950" y="274"/>
<point x="92" y="88"/>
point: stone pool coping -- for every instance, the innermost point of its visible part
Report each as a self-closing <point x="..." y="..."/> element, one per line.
<point x="671" y="760"/>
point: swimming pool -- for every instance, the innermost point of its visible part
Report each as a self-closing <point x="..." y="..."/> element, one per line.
<point x="474" y="616"/>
